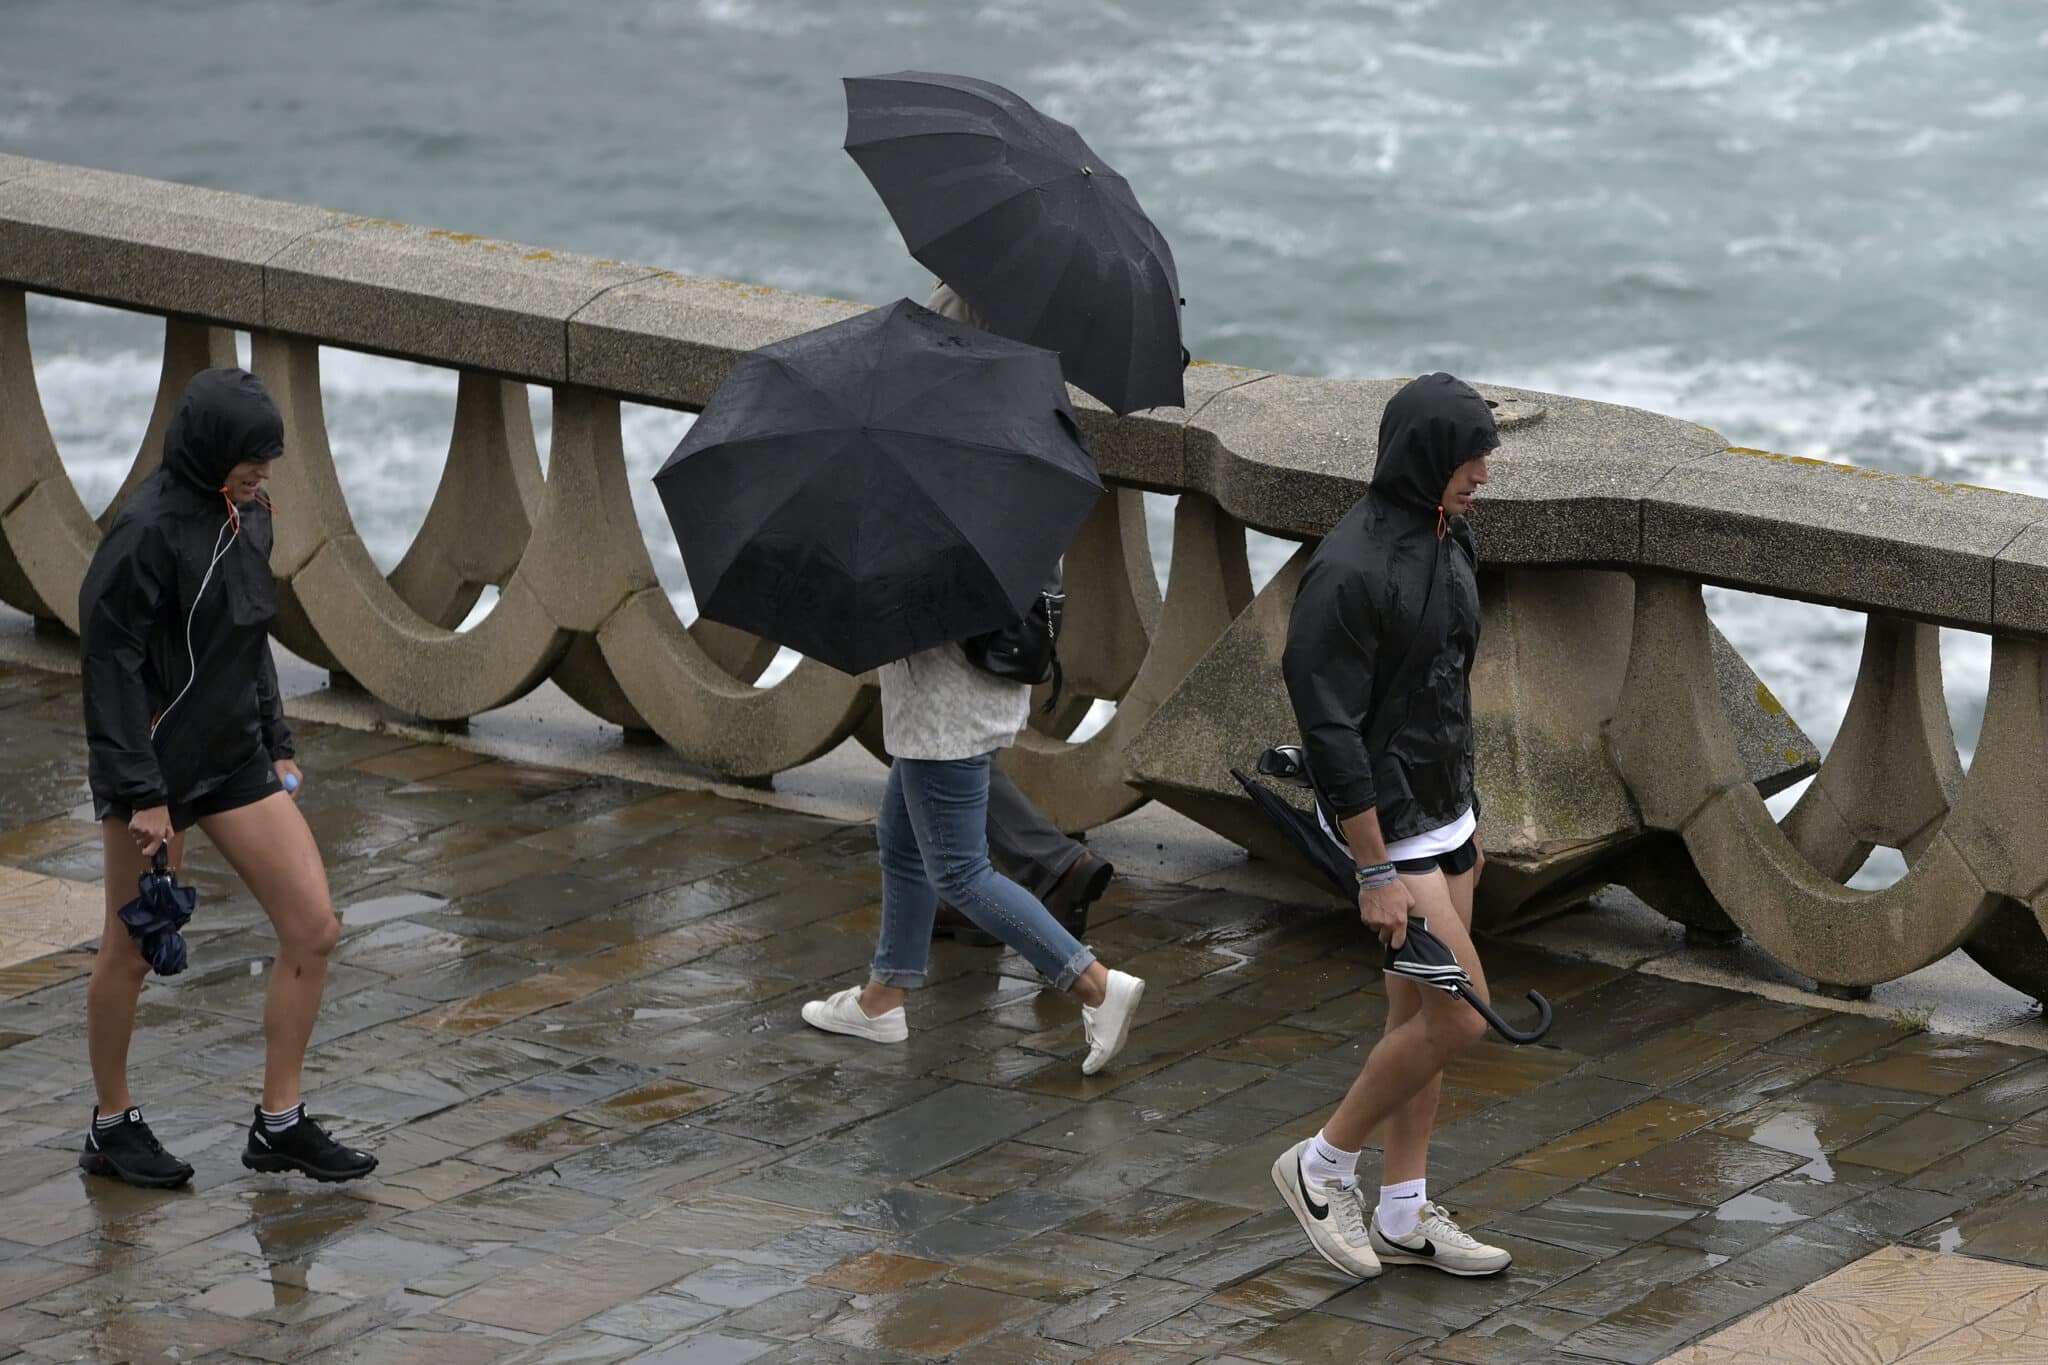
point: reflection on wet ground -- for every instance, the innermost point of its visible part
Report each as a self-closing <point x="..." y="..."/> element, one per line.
<point x="564" y="1012"/>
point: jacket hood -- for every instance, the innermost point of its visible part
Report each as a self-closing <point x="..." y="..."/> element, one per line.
<point x="1433" y="425"/>
<point x="226" y="418"/>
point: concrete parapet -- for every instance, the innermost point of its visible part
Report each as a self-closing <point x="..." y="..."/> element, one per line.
<point x="147" y="244"/>
<point x="1616" y="725"/>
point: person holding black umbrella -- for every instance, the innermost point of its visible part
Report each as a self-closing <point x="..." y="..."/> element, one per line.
<point x="184" y="726"/>
<point x="942" y="721"/>
<point x="1024" y="846"/>
<point x="1378" y="665"/>
<point x="880" y="494"/>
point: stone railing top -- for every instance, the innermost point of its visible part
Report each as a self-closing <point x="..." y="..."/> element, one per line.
<point x="1576" y="482"/>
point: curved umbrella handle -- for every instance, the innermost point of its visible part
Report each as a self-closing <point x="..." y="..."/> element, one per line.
<point x="1502" y="1027"/>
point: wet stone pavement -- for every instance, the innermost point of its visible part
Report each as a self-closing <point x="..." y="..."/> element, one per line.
<point x="564" y="1013"/>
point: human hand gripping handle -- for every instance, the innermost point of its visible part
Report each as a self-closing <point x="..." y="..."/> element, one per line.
<point x="289" y="774"/>
<point x="1384" y="902"/>
<point x="150" y="828"/>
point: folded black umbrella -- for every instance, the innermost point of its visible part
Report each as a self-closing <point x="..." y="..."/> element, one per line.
<point x="1426" y="958"/>
<point x="872" y="489"/>
<point x="159" y="910"/>
<point x="1028" y="224"/>
<point x="1301" y="830"/>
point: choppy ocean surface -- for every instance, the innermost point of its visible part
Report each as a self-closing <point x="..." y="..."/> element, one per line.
<point x="1814" y="225"/>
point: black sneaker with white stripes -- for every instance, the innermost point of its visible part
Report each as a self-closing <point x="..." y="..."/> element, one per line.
<point x="124" y="1149"/>
<point x="305" y="1147"/>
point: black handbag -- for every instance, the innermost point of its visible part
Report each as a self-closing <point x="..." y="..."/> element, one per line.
<point x="1027" y="651"/>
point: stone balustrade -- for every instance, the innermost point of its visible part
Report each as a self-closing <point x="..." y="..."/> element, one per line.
<point x="1622" y="738"/>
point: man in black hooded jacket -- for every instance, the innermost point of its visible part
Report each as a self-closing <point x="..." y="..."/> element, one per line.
<point x="184" y="726"/>
<point x="1378" y="665"/>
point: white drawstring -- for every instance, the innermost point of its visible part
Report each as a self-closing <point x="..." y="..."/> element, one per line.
<point x="192" y="660"/>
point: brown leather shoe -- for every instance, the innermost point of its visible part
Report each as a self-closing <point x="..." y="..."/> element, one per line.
<point x="1079" y="887"/>
<point x="1068" y="900"/>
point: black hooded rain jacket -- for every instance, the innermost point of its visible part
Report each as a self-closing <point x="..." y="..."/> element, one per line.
<point x="175" y="612"/>
<point x="1379" y="648"/>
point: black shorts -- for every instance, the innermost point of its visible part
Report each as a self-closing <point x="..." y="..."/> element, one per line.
<point x="1461" y="859"/>
<point x="248" y="784"/>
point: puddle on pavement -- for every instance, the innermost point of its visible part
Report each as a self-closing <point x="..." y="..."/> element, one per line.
<point x="1756" y="1208"/>
<point x="381" y="908"/>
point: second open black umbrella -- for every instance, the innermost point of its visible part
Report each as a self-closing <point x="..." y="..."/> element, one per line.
<point x="1028" y="224"/>
<point x="872" y="489"/>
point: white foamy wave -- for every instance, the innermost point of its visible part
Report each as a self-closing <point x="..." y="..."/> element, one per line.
<point x="1986" y="430"/>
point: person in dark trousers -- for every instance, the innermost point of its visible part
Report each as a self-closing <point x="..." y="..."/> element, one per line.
<point x="184" y="725"/>
<point x="1024" y="846"/>
<point x="1378" y="666"/>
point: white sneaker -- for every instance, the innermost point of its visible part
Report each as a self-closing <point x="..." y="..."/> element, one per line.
<point x="1328" y="1213"/>
<point x="841" y="1013"/>
<point x="1108" y="1024"/>
<point x="1439" y="1242"/>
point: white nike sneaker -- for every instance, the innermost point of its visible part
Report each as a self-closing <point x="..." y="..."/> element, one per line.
<point x="1328" y="1213"/>
<point x="840" y="1012"/>
<point x="1108" y="1025"/>
<point x="1439" y="1242"/>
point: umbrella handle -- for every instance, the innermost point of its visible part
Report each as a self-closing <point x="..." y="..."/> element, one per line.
<point x="1501" y="1026"/>
<point x="160" y="861"/>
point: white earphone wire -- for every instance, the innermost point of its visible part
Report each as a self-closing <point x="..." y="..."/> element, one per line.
<point x="191" y="659"/>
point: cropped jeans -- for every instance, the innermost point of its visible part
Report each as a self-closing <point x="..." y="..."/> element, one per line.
<point x="933" y="832"/>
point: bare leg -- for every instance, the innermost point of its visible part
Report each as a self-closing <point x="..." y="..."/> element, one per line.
<point x="1410" y="1058"/>
<point x="119" y="969"/>
<point x="1404" y="1140"/>
<point x="272" y="851"/>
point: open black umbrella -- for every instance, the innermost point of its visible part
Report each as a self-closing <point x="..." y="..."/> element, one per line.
<point x="1028" y="225"/>
<point x="159" y="910"/>
<point x="1426" y="958"/>
<point x="874" y="488"/>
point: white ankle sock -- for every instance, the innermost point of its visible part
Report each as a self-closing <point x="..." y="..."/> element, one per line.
<point x="279" y="1122"/>
<point x="1401" y="1207"/>
<point x="1324" y="1161"/>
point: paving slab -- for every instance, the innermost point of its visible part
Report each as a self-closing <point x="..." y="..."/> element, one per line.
<point x="607" y="1136"/>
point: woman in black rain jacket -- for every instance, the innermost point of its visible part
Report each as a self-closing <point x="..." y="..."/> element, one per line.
<point x="184" y="726"/>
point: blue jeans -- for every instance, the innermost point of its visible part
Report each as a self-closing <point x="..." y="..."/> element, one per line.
<point x="933" y="832"/>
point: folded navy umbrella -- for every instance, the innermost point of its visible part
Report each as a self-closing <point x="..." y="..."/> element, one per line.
<point x="1428" y="959"/>
<point x="156" y="915"/>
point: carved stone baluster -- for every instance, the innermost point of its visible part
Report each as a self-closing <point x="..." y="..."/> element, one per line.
<point x="337" y="610"/>
<point x="1673" y="742"/>
<point x="46" y="537"/>
<point x="1892" y="773"/>
<point x="491" y="488"/>
<point x="592" y="569"/>
<point x="1080" y="786"/>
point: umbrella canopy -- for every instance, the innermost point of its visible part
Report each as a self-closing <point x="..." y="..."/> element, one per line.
<point x="1426" y="958"/>
<point x="872" y="489"/>
<point x="1028" y="225"/>
<point x="158" y="912"/>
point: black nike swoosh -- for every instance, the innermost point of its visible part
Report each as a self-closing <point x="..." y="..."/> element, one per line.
<point x="1316" y="1211"/>
<point x="1428" y="1248"/>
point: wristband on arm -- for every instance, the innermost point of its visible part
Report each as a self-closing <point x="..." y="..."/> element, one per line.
<point x="1375" y="876"/>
